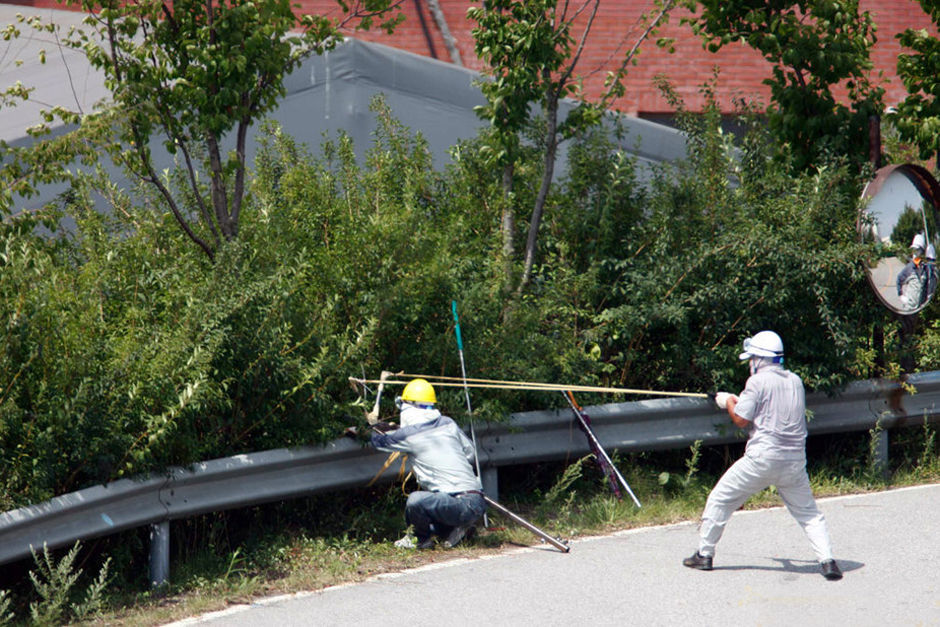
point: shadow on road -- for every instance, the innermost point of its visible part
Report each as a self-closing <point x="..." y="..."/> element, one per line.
<point x="794" y="566"/>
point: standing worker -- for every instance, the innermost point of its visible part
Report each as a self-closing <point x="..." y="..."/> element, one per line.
<point x="772" y="408"/>
<point x="451" y="499"/>
<point x="914" y="278"/>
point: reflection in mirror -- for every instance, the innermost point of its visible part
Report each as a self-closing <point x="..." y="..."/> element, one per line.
<point x="899" y="217"/>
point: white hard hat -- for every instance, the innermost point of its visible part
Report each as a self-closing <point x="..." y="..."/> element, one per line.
<point x="763" y="344"/>
<point x="919" y="241"/>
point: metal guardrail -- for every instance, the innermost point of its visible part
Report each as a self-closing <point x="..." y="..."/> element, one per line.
<point x="252" y="479"/>
<point x="673" y="423"/>
<point x="238" y="481"/>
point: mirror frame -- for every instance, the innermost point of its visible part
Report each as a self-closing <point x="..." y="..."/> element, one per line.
<point x="929" y="190"/>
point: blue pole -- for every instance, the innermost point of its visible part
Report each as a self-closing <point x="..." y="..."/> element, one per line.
<point x="466" y="393"/>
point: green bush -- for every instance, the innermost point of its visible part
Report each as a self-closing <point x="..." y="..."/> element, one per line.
<point x="125" y="350"/>
<point x="728" y="244"/>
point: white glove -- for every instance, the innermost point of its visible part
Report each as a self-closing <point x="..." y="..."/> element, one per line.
<point x="721" y="399"/>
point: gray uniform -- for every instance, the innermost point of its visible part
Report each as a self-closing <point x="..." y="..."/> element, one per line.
<point x="440" y="453"/>
<point x="451" y="495"/>
<point x="774" y="402"/>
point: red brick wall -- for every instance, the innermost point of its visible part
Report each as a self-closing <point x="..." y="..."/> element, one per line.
<point x="742" y="70"/>
<point x="616" y="27"/>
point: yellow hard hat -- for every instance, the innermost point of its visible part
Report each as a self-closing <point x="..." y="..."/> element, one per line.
<point x="419" y="391"/>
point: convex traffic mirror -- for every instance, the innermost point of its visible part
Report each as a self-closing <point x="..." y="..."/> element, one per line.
<point x="899" y="216"/>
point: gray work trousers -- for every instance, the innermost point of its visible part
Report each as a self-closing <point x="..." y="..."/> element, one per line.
<point x="746" y="477"/>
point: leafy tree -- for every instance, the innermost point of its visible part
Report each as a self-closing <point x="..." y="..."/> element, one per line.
<point x="191" y="73"/>
<point x="533" y="49"/>
<point x="918" y="117"/>
<point x="910" y="223"/>
<point x="23" y="170"/>
<point x="814" y="45"/>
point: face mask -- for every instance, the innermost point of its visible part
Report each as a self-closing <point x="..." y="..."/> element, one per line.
<point x="412" y="415"/>
<point x="757" y="362"/>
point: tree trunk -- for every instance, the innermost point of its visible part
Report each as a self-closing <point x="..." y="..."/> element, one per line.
<point x="508" y="223"/>
<point x="551" y="147"/>
<point x="449" y="42"/>
<point x="238" y="193"/>
<point x="217" y="188"/>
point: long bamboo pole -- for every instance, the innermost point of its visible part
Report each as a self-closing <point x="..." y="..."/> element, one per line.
<point x="404" y="379"/>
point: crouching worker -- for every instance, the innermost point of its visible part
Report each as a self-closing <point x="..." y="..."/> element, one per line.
<point x="450" y="500"/>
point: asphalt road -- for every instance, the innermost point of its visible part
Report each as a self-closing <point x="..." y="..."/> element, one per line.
<point x="887" y="543"/>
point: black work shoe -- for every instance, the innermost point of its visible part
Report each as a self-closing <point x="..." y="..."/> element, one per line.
<point x="830" y="570"/>
<point x="701" y="562"/>
<point x="456" y="535"/>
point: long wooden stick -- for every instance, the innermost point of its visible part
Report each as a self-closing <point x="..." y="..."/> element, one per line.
<point x="521" y="385"/>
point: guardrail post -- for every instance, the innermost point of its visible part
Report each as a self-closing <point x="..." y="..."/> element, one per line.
<point x="490" y="480"/>
<point x="159" y="553"/>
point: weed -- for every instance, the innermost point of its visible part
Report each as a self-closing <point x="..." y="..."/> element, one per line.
<point x="571" y="474"/>
<point x="94" y="595"/>
<point x="603" y="511"/>
<point x="877" y="447"/>
<point x="928" y="455"/>
<point x="54" y="584"/>
<point x="673" y="482"/>
<point x="235" y="565"/>
<point x="6" y="614"/>
<point x="559" y="500"/>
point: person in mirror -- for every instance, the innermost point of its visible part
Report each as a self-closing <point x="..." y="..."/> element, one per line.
<point x="772" y="409"/>
<point x="450" y="500"/>
<point x="913" y="281"/>
<point x="930" y="270"/>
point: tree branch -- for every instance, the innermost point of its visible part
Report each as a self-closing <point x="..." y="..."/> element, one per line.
<point x="154" y="180"/>
<point x="622" y="70"/>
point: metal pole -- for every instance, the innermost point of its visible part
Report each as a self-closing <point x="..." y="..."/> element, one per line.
<point x="559" y="544"/>
<point x="600" y="450"/>
<point x="466" y="393"/>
